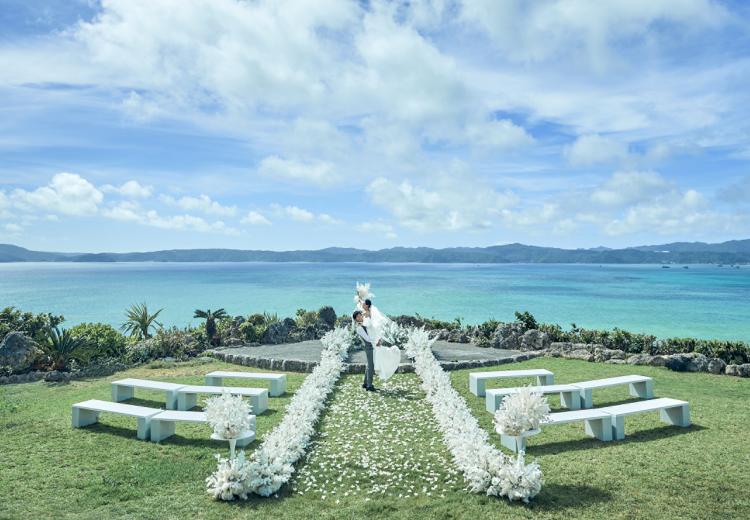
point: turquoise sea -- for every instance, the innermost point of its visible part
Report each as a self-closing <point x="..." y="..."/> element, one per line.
<point x="703" y="301"/>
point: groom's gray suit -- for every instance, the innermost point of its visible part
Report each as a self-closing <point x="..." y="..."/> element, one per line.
<point x="367" y="340"/>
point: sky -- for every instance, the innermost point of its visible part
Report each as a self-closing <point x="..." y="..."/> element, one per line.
<point x="135" y="125"/>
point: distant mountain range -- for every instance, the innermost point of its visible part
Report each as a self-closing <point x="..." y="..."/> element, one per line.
<point x="732" y="252"/>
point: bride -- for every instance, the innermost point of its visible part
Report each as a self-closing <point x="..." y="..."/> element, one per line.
<point x="386" y="359"/>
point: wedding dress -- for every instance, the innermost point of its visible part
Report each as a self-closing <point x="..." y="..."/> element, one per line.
<point x="386" y="359"/>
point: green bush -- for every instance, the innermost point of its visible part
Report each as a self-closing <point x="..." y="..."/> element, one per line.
<point x="304" y="318"/>
<point x="173" y="342"/>
<point x="328" y="316"/>
<point x="102" y="340"/>
<point x="255" y="326"/>
<point x="33" y="325"/>
<point x="527" y="319"/>
<point x="64" y="349"/>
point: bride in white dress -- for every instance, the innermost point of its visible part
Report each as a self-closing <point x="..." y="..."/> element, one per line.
<point x="386" y="359"/>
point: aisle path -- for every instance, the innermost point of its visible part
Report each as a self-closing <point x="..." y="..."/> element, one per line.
<point x="382" y="444"/>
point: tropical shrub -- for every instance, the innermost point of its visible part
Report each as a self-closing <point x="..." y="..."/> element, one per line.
<point x="255" y="326"/>
<point x="102" y="340"/>
<point x="140" y="322"/>
<point x="63" y="348"/>
<point x="304" y="318"/>
<point x="211" y="317"/>
<point x="527" y="320"/>
<point x="32" y="325"/>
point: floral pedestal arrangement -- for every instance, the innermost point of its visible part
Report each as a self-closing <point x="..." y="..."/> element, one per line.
<point x="517" y="443"/>
<point x="242" y="440"/>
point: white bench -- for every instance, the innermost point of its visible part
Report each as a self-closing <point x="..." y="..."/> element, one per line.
<point x="278" y="381"/>
<point x="671" y="411"/>
<point x="124" y="389"/>
<point x="163" y="425"/>
<point x="87" y="412"/>
<point x="640" y="386"/>
<point x="187" y="396"/>
<point x="597" y="423"/>
<point x="478" y="380"/>
<point x="570" y="395"/>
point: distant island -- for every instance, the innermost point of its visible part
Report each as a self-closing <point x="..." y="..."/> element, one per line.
<point x="730" y="253"/>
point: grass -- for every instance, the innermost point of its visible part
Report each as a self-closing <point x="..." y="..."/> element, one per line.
<point x="374" y="442"/>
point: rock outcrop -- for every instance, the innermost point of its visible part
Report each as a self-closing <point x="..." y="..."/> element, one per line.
<point x="19" y="352"/>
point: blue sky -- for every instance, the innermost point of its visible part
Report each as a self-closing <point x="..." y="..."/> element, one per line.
<point x="293" y="124"/>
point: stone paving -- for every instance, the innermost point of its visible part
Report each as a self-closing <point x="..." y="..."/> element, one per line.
<point x="302" y="356"/>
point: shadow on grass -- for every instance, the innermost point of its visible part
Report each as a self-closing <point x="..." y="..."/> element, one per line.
<point x="653" y="434"/>
<point x="175" y="440"/>
<point x="556" y="496"/>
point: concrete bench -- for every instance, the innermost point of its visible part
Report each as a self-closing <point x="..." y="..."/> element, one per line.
<point x="277" y="381"/>
<point x="597" y="423"/>
<point x="671" y="411"/>
<point x="570" y="395"/>
<point x="87" y="412"/>
<point x="478" y="380"/>
<point x="187" y="396"/>
<point x="124" y="389"/>
<point x="163" y="425"/>
<point x="640" y="386"/>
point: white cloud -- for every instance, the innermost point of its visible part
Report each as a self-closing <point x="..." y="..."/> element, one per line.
<point x="302" y="215"/>
<point x="315" y="172"/>
<point x="546" y="29"/>
<point x="378" y="228"/>
<point x="299" y="214"/>
<point x="501" y="135"/>
<point x="625" y="188"/>
<point x="670" y="214"/>
<point x="130" y="189"/>
<point x="67" y="193"/>
<point x="202" y="203"/>
<point x="255" y="218"/>
<point x="187" y="223"/>
<point x="128" y="211"/>
<point x="13" y="228"/>
<point x="595" y="149"/>
<point x="325" y="218"/>
<point x="449" y="202"/>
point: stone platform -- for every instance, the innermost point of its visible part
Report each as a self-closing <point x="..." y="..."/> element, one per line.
<point x="303" y="356"/>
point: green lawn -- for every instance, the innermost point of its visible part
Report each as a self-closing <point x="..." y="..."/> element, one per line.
<point x="372" y="448"/>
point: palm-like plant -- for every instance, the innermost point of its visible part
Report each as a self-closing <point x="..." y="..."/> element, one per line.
<point x="62" y="347"/>
<point x="211" y="318"/>
<point x="140" y="322"/>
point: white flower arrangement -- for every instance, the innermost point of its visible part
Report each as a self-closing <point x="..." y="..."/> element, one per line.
<point x="520" y="412"/>
<point x="517" y="480"/>
<point x="230" y="479"/>
<point x="272" y="463"/>
<point x="485" y="468"/>
<point x="228" y="415"/>
<point x="393" y="334"/>
<point x="362" y="292"/>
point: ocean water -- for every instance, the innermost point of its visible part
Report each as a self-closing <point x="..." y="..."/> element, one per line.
<point x="702" y="301"/>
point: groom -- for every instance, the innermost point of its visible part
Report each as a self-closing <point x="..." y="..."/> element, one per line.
<point x="359" y="317"/>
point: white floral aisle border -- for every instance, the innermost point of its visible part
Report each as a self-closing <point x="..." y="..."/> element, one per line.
<point x="272" y="463"/>
<point x="485" y="468"/>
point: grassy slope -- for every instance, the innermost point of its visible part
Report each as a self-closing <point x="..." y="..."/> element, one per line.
<point x="51" y="470"/>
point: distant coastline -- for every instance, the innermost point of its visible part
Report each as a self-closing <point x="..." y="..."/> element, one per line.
<point x="730" y="254"/>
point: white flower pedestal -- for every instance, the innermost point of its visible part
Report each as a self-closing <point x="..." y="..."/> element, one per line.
<point x="517" y="443"/>
<point x="243" y="440"/>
